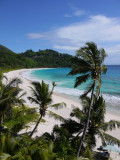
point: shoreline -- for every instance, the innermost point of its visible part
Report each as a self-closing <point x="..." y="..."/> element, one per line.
<point x="57" y="98"/>
<point x="18" y="73"/>
<point x="54" y="93"/>
<point x="109" y="114"/>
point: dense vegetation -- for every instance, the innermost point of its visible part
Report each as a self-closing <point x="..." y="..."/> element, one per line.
<point x="49" y="58"/>
<point x="62" y="143"/>
<point x="31" y="59"/>
<point x="75" y="137"/>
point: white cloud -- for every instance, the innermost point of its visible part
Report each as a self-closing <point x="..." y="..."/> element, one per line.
<point x="35" y="35"/>
<point x="79" y="13"/>
<point x="97" y="28"/>
<point x="113" y="49"/>
<point x="75" y="12"/>
<point x="71" y="48"/>
<point x="105" y="31"/>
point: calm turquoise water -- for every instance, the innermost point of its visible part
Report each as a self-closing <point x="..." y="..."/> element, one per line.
<point x="65" y="84"/>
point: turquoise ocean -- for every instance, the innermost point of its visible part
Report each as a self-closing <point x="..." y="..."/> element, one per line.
<point x="110" y="88"/>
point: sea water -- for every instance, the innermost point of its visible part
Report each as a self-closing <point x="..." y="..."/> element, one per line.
<point x="110" y="87"/>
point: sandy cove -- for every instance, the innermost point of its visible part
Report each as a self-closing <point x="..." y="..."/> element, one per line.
<point x="65" y="112"/>
<point x="57" y="98"/>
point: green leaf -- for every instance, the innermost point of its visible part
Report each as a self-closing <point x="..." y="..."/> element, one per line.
<point x="56" y="116"/>
<point x="81" y="79"/>
<point x="59" y="105"/>
<point x="76" y="112"/>
<point x="110" y="125"/>
<point x="111" y="139"/>
<point x="5" y="156"/>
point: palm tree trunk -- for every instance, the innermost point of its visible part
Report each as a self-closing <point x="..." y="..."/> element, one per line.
<point x="87" y="122"/>
<point x="1" y="119"/>
<point x="9" y="112"/>
<point x="36" y="126"/>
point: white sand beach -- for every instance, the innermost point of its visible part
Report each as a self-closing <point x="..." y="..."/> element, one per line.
<point x="57" y="98"/>
<point x="65" y="112"/>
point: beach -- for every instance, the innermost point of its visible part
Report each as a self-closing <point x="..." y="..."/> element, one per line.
<point x="64" y="112"/>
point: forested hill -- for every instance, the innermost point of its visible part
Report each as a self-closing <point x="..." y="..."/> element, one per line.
<point x="49" y="58"/>
<point x="11" y="60"/>
<point x="31" y="59"/>
<point x="4" y="49"/>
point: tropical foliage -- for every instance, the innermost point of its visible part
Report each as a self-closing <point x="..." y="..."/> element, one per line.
<point x="43" y="98"/>
<point x="24" y="148"/>
<point x="21" y="118"/>
<point x="97" y="124"/>
<point x="9" y="95"/>
<point x="66" y="137"/>
<point x="31" y="59"/>
<point x="89" y="63"/>
<point x="78" y="133"/>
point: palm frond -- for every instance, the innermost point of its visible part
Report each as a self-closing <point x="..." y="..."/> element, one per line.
<point x="85" y="54"/>
<point x="111" y="125"/>
<point x="23" y="94"/>
<point x="26" y="110"/>
<point x="104" y="69"/>
<point x="3" y="100"/>
<point x="103" y="54"/>
<point x="81" y="79"/>
<point x="58" y="105"/>
<point x="55" y="116"/>
<point x="33" y="100"/>
<point x="72" y="126"/>
<point x="100" y="133"/>
<point x="14" y="82"/>
<point x="79" y="69"/>
<point x="76" y="112"/>
<point x="89" y="88"/>
<point x="54" y="85"/>
<point x="111" y="139"/>
<point x="36" y="93"/>
<point x="88" y="52"/>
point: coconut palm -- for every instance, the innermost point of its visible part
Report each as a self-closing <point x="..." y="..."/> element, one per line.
<point x="89" y="64"/>
<point x="21" y="118"/>
<point x="42" y="96"/>
<point x="9" y="95"/>
<point x="25" y="148"/>
<point x="97" y="124"/>
<point x="62" y="143"/>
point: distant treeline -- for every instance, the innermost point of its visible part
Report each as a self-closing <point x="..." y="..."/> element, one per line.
<point x="30" y="59"/>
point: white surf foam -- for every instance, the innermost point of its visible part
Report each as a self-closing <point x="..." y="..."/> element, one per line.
<point x="111" y="100"/>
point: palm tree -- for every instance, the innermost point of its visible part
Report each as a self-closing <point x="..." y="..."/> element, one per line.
<point x="89" y="63"/>
<point x="97" y="124"/>
<point x="43" y="97"/>
<point x="62" y="143"/>
<point x="21" y="118"/>
<point x="9" y="95"/>
<point x="24" y="147"/>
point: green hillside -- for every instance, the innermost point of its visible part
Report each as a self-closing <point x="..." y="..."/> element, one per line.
<point x="31" y="59"/>
<point x="11" y="60"/>
<point x="49" y="58"/>
<point x="4" y="49"/>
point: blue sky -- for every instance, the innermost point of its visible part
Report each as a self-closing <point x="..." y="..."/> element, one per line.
<point x="62" y="25"/>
